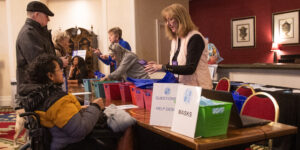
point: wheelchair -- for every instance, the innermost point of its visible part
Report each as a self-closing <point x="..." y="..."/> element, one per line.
<point x="39" y="136"/>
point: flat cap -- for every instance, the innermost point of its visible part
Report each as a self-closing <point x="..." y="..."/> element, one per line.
<point x="36" y="6"/>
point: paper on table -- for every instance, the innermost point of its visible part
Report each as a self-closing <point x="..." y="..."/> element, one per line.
<point x="256" y="86"/>
<point x="272" y="89"/>
<point x="130" y="106"/>
<point x="296" y="91"/>
<point x="81" y="93"/>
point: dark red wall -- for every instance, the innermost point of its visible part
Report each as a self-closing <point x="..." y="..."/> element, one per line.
<point x="213" y="17"/>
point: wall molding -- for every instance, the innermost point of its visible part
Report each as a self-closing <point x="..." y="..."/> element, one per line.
<point x="5" y="101"/>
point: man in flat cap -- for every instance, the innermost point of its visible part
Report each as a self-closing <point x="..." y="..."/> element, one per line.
<point x="33" y="40"/>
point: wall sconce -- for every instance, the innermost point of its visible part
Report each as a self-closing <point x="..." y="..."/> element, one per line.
<point x="275" y="49"/>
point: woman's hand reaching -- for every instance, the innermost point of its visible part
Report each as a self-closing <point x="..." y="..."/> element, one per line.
<point x="96" y="51"/>
<point x="104" y="79"/>
<point x="152" y="67"/>
<point x="105" y="57"/>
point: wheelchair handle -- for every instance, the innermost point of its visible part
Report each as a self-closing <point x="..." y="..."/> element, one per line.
<point x="31" y="114"/>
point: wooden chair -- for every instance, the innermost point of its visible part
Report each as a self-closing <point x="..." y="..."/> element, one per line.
<point x="261" y="105"/>
<point x="245" y="90"/>
<point x="223" y="85"/>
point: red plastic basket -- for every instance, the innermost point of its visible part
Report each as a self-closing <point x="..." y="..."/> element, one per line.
<point x="132" y="92"/>
<point x="112" y="91"/>
<point x="139" y="97"/>
<point x="148" y="98"/>
<point x="125" y="91"/>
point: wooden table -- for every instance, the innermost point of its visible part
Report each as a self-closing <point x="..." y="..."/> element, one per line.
<point x="234" y="136"/>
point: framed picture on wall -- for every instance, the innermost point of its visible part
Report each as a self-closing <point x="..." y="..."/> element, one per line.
<point x="286" y="27"/>
<point x="243" y="32"/>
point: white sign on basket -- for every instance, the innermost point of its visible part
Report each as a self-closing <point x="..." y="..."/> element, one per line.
<point x="163" y="103"/>
<point x="186" y="110"/>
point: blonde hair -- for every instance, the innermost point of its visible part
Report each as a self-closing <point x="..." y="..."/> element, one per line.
<point x="116" y="31"/>
<point x="59" y="36"/>
<point x="181" y="15"/>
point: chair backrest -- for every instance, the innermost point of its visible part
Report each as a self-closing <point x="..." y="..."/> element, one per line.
<point x="223" y="85"/>
<point x="261" y="105"/>
<point x="245" y="90"/>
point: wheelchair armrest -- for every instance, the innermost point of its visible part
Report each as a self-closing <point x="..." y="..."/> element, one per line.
<point x="31" y="114"/>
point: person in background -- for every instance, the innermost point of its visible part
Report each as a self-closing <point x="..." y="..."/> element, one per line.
<point x="61" y="43"/>
<point x="188" y="55"/>
<point x="33" y="40"/>
<point x="114" y="36"/>
<point x="60" y="112"/>
<point x="127" y="64"/>
<point x="78" y="69"/>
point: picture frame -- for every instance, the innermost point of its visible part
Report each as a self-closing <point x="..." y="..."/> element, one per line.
<point x="285" y="27"/>
<point x="243" y="32"/>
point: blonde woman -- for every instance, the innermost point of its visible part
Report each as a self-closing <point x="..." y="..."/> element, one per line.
<point x="188" y="55"/>
<point x="61" y="43"/>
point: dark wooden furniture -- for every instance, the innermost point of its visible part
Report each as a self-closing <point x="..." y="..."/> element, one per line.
<point x="234" y="136"/>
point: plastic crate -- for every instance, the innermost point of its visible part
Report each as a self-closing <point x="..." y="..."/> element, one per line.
<point x="213" y="120"/>
<point x="148" y="98"/>
<point x="132" y="93"/>
<point x="239" y="104"/>
<point x="139" y="97"/>
<point x="112" y="91"/>
<point x="239" y="100"/>
<point x="125" y="91"/>
<point x="99" y="89"/>
<point x="92" y="84"/>
<point x="88" y="85"/>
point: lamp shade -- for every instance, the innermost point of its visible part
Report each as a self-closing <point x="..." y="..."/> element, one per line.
<point x="275" y="47"/>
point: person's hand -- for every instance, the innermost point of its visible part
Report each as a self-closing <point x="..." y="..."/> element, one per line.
<point x="65" y="61"/>
<point x="84" y="106"/>
<point x="104" y="57"/>
<point x="72" y="68"/>
<point x="71" y="71"/>
<point x="20" y="111"/>
<point x="96" y="51"/>
<point x="152" y="67"/>
<point x="99" y="102"/>
<point x="104" y="79"/>
<point x="151" y="62"/>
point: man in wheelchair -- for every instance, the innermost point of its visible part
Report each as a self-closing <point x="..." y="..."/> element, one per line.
<point x="65" y="124"/>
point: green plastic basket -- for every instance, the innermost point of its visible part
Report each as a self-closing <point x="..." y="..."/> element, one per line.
<point x="99" y="89"/>
<point x="213" y="120"/>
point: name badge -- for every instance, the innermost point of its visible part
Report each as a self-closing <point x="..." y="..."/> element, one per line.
<point x="174" y="63"/>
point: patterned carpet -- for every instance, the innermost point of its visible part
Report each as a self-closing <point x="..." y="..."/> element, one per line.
<point x="7" y="129"/>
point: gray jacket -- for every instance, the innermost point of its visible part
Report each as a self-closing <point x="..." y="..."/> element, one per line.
<point x="127" y="64"/>
<point x="33" y="40"/>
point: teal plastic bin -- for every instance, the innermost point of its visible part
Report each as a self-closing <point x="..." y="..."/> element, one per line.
<point x="88" y="85"/>
<point x="99" y="89"/>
